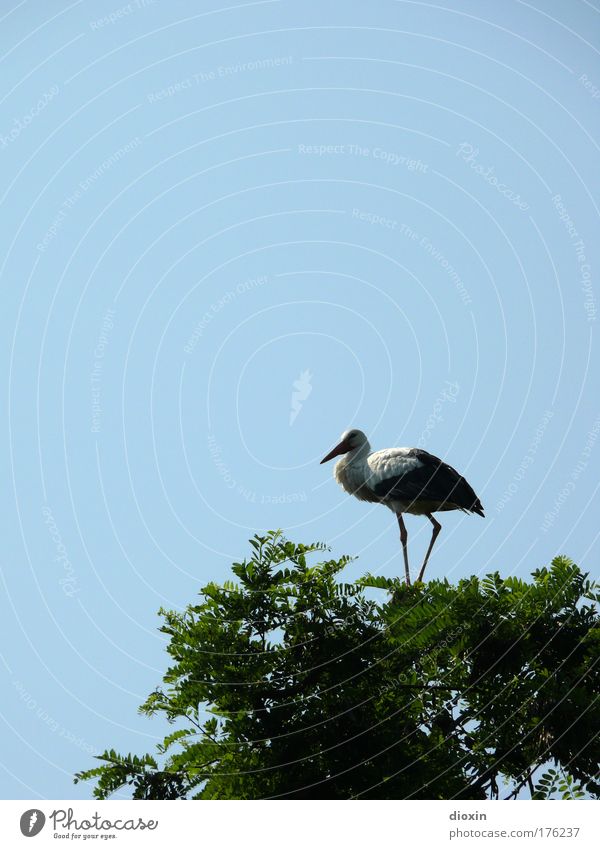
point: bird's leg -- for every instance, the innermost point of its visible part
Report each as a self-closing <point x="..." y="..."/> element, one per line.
<point x="403" y="540"/>
<point x="436" y="529"/>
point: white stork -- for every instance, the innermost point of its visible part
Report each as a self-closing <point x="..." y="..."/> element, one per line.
<point x="407" y="480"/>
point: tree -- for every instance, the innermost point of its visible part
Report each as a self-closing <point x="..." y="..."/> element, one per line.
<point x="293" y="684"/>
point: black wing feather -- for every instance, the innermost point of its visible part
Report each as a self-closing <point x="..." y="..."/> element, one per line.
<point x="434" y="481"/>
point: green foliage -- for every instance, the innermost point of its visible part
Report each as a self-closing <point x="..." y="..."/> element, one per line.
<point x="553" y="782"/>
<point x="292" y="684"/>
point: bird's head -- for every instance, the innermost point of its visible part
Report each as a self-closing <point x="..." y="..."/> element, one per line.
<point x="351" y="440"/>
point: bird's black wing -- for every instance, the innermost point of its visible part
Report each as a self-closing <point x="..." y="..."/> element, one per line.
<point x="433" y="480"/>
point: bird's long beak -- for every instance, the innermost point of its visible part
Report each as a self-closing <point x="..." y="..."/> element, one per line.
<point x="341" y="448"/>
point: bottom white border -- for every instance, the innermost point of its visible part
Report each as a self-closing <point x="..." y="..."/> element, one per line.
<point x="262" y="825"/>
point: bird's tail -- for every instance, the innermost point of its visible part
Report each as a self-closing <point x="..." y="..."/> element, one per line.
<point x="477" y="507"/>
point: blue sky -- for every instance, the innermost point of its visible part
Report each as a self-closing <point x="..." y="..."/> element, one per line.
<point x="233" y="232"/>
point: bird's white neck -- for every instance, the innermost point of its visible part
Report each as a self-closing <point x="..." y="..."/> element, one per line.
<point x="358" y="456"/>
<point x="352" y="472"/>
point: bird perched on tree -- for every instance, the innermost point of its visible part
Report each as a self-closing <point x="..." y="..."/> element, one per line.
<point x="407" y="480"/>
